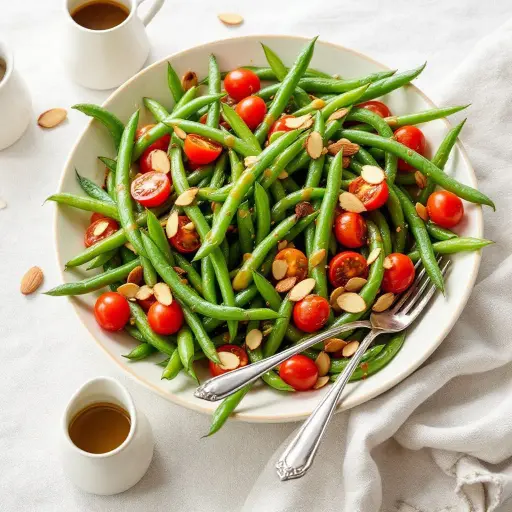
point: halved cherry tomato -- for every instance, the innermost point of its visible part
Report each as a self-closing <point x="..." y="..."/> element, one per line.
<point x="372" y="196"/>
<point x="98" y="230"/>
<point x="252" y="110"/>
<point x="414" y="139"/>
<point x="350" y="229"/>
<point x="377" y="107"/>
<point x="151" y="189"/>
<point x="162" y="143"/>
<point x="241" y="83"/>
<point x="239" y="352"/>
<point x="112" y="311"/>
<point x="165" y="320"/>
<point x="311" y="313"/>
<point x="400" y="275"/>
<point x="345" y="265"/>
<point x="445" y="208"/>
<point x="299" y="372"/>
<point x="280" y="126"/>
<point x="185" y="241"/>
<point x="97" y="216"/>
<point x="145" y="161"/>
<point x="297" y="263"/>
<point x="200" y="150"/>
<point x="145" y="304"/>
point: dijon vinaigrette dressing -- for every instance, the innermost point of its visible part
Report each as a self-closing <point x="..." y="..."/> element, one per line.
<point x="100" y="15"/>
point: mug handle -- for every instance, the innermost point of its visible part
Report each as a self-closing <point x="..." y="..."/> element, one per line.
<point x="157" y="5"/>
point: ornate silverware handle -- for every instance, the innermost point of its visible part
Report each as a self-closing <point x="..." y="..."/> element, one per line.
<point x="225" y="385"/>
<point x="299" y="455"/>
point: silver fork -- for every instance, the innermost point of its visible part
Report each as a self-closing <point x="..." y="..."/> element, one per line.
<point x="298" y="456"/>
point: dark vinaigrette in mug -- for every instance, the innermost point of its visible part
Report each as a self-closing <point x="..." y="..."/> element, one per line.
<point x="100" y="15"/>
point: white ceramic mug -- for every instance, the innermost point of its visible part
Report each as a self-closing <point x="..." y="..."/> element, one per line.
<point x="103" y="59"/>
<point x="117" y="470"/>
<point x="15" y="102"/>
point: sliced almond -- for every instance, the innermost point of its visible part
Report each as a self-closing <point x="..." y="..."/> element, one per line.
<point x="228" y="360"/>
<point x="388" y="264"/>
<point x="128" y="290"/>
<point x="31" y="281"/>
<point x="354" y="284"/>
<point x="321" y="382"/>
<point x="421" y="211"/>
<point x="351" y="203"/>
<point x="180" y="271"/>
<point x="338" y="114"/>
<point x="51" y="118"/>
<point x="383" y="302"/>
<point x="345" y="162"/>
<point x="254" y="338"/>
<point x="372" y="174"/>
<point x="314" y="145"/>
<point x="350" y="348"/>
<point x="300" y="290"/>
<point x="351" y="302"/>
<point x="317" y="257"/>
<point x="295" y="123"/>
<point x="286" y="284"/>
<point x="282" y="245"/>
<point x="179" y="132"/>
<point x="349" y="148"/>
<point x="171" y="228"/>
<point x="130" y="247"/>
<point x="333" y="299"/>
<point x="189" y="226"/>
<point x="334" y="345"/>
<point x="249" y="161"/>
<point x="186" y="197"/>
<point x="144" y="292"/>
<point x="189" y="80"/>
<point x="290" y="245"/>
<point x="100" y="228"/>
<point x="135" y="276"/>
<point x="420" y="179"/>
<point x="317" y="104"/>
<point x="373" y="255"/>
<point x="282" y="175"/>
<point x="160" y="161"/>
<point x="279" y="269"/>
<point x="162" y="293"/>
<point x="323" y="363"/>
<point x="229" y="18"/>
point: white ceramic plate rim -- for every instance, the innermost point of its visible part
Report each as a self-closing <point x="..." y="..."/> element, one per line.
<point x="401" y="374"/>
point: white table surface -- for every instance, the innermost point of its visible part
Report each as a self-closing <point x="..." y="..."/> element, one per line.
<point x="45" y="351"/>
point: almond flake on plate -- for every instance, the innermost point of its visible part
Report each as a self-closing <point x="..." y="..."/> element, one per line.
<point x="334" y="345"/>
<point x="162" y="294"/>
<point x="31" y="281"/>
<point x="52" y="118"/>
<point x="373" y="255"/>
<point x="321" y="382"/>
<point x="282" y="245"/>
<point x="128" y="290"/>
<point x="351" y="302"/>
<point x="351" y="203"/>
<point x="144" y="292"/>
<point x="100" y="228"/>
<point x="300" y="290"/>
<point x="349" y="148"/>
<point x="228" y="360"/>
<point x="160" y="161"/>
<point x="323" y="363"/>
<point x="179" y="132"/>
<point x="186" y="197"/>
<point x="135" y="276"/>
<point x="372" y="174"/>
<point x="279" y="269"/>
<point x="421" y="211"/>
<point x="350" y="348"/>
<point x="420" y="179"/>
<point x="229" y="18"/>
<point x="383" y="302"/>
<point x="171" y="228"/>
<point x="333" y="299"/>
<point x="317" y="257"/>
<point x="338" y="114"/>
<point x="189" y="226"/>
<point x="354" y="284"/>
<point x="314" y="145"/>
<point x="189" y="80"/>
<point x="254" y="338"/>
<point x="295" y="123"/>
<point x="286" y="284"/>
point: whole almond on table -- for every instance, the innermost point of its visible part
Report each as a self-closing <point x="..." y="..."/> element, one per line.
<point x="31" y="281"/>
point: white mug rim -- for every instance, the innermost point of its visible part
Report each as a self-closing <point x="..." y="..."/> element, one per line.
<point x="7" y="56"/>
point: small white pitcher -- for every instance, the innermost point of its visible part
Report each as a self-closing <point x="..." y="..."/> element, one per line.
<point x="117" y="470"/>
<point x="103" y="59"/>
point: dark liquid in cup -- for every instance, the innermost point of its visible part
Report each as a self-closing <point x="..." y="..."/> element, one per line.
<point x="100" y="15"/>
<point x="3" y="69"/>
<point x="100" y="428"/>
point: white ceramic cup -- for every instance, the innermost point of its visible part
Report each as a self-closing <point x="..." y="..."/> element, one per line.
<point x="15" y="102"/>
<point x="103" y="59"/>
<point x="117" y="470"/>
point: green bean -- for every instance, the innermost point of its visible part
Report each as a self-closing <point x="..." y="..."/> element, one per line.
<point x="208" y="281"/>
<point x="141" y="351"/>
<point x="380" y="221"/>
<point x="262" y="203"/>
<point x="157" y="234"/>
<point x="173" y="367"/>
<point x="186" y="99"/>
<point x="110" y="185"/>
<point x="212" y="119"/>
<point x="246" y="232"/>
<point x="291" y="200"/>
<point x="198" y="175"/>
<point x="301" y="226"/>
<point x="438" y="232"/>
<point x="454" y="245"/>
<point x="126" y="254"/>
<point x="237" y="167"/>
<point x="269" y="74"/>
<point x="396" y="215"/>
<point x="290" y="185"/>
<point x="276" y="337"/>
<point x="331" y="85"/>
<point x="267" y="291"/>
<point x="235" y="255"/>
<point x="109" y="163"/>
<point x="405" y="178"/>
<point x="109" y="120"/>
<point x="86" y="203"/>
<point x="174" y="83"/>
<point x="343" y="100"/>
<point x="277" y="191"/>
<point x="134" y="333"/>
<point x="338" y="365"/>
<point x="101" y="259"/>
<point x="270" y="378"/>
<point x="219" y="172"/>
<point x="158" y="111"/>
<point x="92" y="190"/>
<point x="226" y="407"/>
<point x="239" y="127"/>
<point x="192" y="275"/>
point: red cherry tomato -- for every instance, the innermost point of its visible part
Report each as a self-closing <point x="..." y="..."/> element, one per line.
<point x="445" y="208"/>
<point x="145" y="304"/>
<point x="200" y="150"/>
<point x="297" y="263"/>
<point x="165" y="320"/>
<point x="97" y="216"/>
<point x="299" y="372"/>
<point x="162" y="143"/>
<point x="151" y="189"/>
<point x="185" y="241"/>
<point x="279" y="126"/>
<point x="350" y="229"/>
<point x="112" y="311"/>
<point x="311" y="313"/>
<point x="146" y="162"/>
<point x="252" y="110"/>
<point x="345" y="265"/>
<point x="100" y="229"/>
<point x="241" y="83"/>
<point x="215" y="369"/>
<point x="414" y="139"/>
<point x="401" y="274"/>
<point x="377" y="107"/>
<point x="372" y="196"/>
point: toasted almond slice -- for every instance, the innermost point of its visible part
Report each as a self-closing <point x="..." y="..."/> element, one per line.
<point x="52" y="118"/>
<point x="144" y="292"/>
<point x="160" y="161"/>
<point x="351" y="203"/>
<point x="317" y="104"/>
<point x="128" y="290"/>
<point x="228" y="360"/>
<point x="350" y="348"/>
<point x="189" y="80"/>
<point x="421" y="211"/>
<point x="31" y="281"/>
<point x="323" y="363"/>
<point x="294" y="123"/>
<point x="354" y="284"/>
<point x="314" y="145"/>
<point x="186" y="197"/>
<point x="345" y="161"/>
<point x="333" y="299"/>
<point x="130" y="247"/>
<point x="321" y="382"/>
<point x="171" y="228"/>
<point x="179" y="132"/>
<point x="282" y="245"/>
<point x="135" y="276"/>
<point x="162" y="293"/>
<point x="286" y="284"/>
<point x="317" y="257"/>
<point x="290" y="245"/>
<point x="254" y="338"/>
<point x="180" y="271"/>
<point x="372" y="174"/>
<point x="420" y="179"/>
<point x="100" y="228"/>
<point x="300" y="290"/>
<point x="387" y="263"/>
<point x="249" y="161"/>
<point x="351" y="302"/>
<point x="338" y="114"/>
<point x="373" y="255"/>
<point x="279" y="269"/>
<point x="349" y="148"/>
<point x="189" y="226"/>
<point x="282" y="175"/>
<point x="334" y="345"/>
<point x="229" y="18"/>
<point x="383" y="302"/>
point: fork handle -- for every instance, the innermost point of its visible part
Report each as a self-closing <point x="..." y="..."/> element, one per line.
<point x="298" y="456"/>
